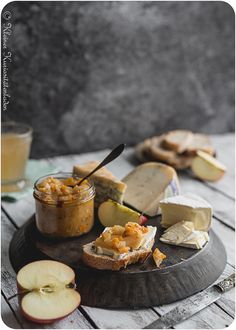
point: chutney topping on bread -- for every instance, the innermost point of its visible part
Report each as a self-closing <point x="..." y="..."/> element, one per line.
<point x="119" y="246"/>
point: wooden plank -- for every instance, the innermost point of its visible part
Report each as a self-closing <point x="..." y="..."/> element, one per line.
<point x="21" y="210"/>
<point x="227" y="302"/>
<point x="225" y="148"/>
<point x="227" y="237"/>
<point x="66" y="163"/>
<point x="210" y="318"/>
<point x="8" y="316"/>
<point x="74" y="321"/>
<point x="121" y="319"/>
<point x="205" y="318"/>
<point x="119" y="167"/>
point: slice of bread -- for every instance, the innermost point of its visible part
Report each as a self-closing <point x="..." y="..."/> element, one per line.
<point x="140" y="153"/>
<point x="178" y="140"/>
<point x="156" y="150"/>
<point x="200" y="142"/>
<point x="152" y="150"/>
<point x="98" y="261"/>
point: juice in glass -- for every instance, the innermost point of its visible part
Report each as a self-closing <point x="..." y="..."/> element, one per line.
<point x="15" y="148"/>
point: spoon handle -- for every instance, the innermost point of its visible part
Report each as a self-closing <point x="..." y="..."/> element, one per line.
<point x="109" y="158"/>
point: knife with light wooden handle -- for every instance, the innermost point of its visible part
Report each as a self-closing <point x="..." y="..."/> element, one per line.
<point x="193" y="304"/>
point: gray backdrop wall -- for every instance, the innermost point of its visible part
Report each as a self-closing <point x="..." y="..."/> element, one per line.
<point x="89" y="75"/>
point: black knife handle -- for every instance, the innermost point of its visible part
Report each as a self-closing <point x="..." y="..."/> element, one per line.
<point x="226" y="284"/>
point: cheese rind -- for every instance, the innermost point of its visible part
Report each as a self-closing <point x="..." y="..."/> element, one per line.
<point x="148" y="184"/>
<point x="179" y="231"/>
<point x="187" y="207"/>
<point x="183" y="234"/>
<point x="196" y="241"/>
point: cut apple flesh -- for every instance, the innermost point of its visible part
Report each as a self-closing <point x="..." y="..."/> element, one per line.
<point x="39" y="306"/>
<point x="46" y="291"/>
<point x="111" y="213"/>
<point x="41" y="273"/>
<point x="207" y="168"/>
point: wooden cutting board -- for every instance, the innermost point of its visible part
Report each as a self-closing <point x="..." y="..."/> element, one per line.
<point x="183" y="273"/>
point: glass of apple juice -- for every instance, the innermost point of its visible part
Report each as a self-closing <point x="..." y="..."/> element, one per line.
<point x="15" y="148"/>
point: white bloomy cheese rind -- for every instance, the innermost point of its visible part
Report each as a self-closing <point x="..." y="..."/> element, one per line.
<point x="183" y="234"/>
<point x="148" y="184"/>
<point x="187" y="207"/>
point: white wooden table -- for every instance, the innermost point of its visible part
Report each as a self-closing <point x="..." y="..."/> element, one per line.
<point x="220" y="195"/>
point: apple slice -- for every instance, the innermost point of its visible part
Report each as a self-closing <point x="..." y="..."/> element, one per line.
<point x="206" y="167"/>
<point x="46" y="291"/>
<point x="111" y="213"/>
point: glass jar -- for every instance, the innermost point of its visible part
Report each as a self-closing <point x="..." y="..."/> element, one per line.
<point x="64" y="209"/>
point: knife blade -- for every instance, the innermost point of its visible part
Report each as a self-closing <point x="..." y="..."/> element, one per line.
<point x="193" y="304"/>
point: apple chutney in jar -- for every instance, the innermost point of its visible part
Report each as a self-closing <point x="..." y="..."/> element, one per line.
<point x="63" y="208"/>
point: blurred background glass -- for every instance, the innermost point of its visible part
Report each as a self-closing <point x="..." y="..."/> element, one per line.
<point x="15" y="149"/>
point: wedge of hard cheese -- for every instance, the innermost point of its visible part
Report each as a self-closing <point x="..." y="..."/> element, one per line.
<point x="106" y="184"/>
<point x="148" y="184"/>
<point x="187" y="207"/>
<point x="184" y="234"/>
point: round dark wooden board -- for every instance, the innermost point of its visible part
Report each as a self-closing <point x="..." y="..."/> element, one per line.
<point x="183" y="273"/>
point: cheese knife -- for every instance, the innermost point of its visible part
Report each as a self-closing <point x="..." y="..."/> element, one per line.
<point x="193" y="304"/>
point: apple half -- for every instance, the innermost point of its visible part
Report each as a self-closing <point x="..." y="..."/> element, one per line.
<point x="46" y="291"/>
<point x="207" y="168"/>
<point x="111" y="213"/>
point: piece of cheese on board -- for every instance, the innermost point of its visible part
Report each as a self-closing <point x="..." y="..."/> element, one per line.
<point x="187" y="207"/>
<point x="183" y="234"/>
<point x="196" y="240"/>
<point x="179" y="231"/>
<point x="149" y="183"/>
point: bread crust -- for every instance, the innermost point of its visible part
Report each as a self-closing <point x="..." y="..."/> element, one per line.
<point x="152" y="150"/>
<point x="94" y="260"/>
<point x="178" y="140"/>
<point x="200" y="142"/>
<point x="179" y="155"/>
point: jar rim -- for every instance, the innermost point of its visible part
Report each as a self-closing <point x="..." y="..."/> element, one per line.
<point x="63" y="175"/>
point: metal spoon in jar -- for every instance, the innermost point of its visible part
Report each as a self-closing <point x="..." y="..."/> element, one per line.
<point x="109" y="158"/>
